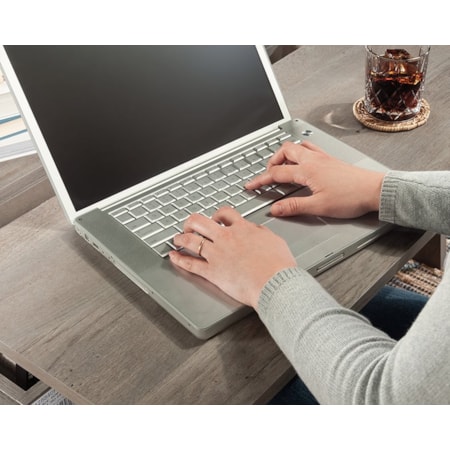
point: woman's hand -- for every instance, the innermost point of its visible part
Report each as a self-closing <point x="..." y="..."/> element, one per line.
<point x="236" y="255"/>
<point x="338" y="189"/>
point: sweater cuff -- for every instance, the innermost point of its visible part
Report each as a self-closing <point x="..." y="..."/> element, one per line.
<point x="274" y="284"/>
<point x="388" y="196"/>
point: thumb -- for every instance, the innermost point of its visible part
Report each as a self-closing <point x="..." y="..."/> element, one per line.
<point x="294" y="206"/>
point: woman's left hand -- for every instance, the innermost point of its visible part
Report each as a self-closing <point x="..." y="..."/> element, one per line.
<point x="236" y="255"/>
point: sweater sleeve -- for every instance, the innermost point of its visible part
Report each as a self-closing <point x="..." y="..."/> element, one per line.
<point x="417" y="200"/>
<point x="340" y="356"/>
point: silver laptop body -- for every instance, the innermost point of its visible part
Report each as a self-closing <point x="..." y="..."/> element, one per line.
<point x="136" y="138"/>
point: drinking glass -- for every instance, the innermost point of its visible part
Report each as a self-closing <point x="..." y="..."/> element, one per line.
<point x="395" y="80"/>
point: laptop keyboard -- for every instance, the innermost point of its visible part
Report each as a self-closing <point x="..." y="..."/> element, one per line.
<point x="157" y="217"/>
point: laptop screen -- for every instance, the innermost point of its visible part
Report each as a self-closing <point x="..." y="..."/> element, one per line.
<point x="114" y="116"/>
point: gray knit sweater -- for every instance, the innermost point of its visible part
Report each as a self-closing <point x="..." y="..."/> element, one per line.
<point x="336" y="352"/>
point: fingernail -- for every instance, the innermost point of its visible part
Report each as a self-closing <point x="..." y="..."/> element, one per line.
<point x="277" y="209"/>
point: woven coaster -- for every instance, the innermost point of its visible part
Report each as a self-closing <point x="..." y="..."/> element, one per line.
<point x="382" y="125"/>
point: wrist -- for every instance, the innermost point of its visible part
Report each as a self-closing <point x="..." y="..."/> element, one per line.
<point x="374" y="195"/>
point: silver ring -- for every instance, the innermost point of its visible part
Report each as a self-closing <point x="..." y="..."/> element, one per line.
<point x="199" y="250"/>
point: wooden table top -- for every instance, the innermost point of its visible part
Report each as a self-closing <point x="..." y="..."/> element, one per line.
<point x="72" y="319"/>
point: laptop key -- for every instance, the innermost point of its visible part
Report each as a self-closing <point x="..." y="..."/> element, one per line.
<point x="229" y="170"/>
<point x="274" y="141"/>
<point x="138" y="211"/>
<point x="166" y="199"/>
<point x="285" y="137"/>
<point x="194" y="208"/>
<point x="206" y="181"/>
<point x="147" y="231"/>
<point x="179" y="192"/>
<point x="124" y="218"/>
<point x="136" y="224"/>
<point x="260" y="147"/>
<point x="233" y="179"/>
<point x="208" y="190"/>
<point x="181" y="215"/>
<point x="195" y="197"/>
<point x="248" y="194"/>
<point x="208" y="212"/>
<point x="119" y="211"/>
<point x="164" y="249"/>
<point x="192" y="187"/>
<point x="162" y="236"/>
<point x="152" y="204"/>
<point x="181" y="203"/>
<point x="207" y="202"/>
<point x="245" y="175"/>
<point x="133" y="204"/>
<point x="258" y="168"/>
<point x="154" y="216"/>
<point x="237" y="200"/>
<point x="285" y="189"/>
<point x="168" y="209"/>
<point x="258" y="202"/>
<point x="266" y="153"/>
<point x="221" y="185"/>
<point x="220" y="196"/>
<point x="233" y="190"/>
<point x="167" y="221"/>
<point x="241" y="164"/>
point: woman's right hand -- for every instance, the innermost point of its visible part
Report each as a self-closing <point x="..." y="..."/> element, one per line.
<point x="338" y="189"/>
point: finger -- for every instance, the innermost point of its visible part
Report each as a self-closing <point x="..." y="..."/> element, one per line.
<point x="192" y="264"/>
<point x="295" y="206"/>
<point x="198" y="223"/>
<point x="226" y="216"/>
<point x="290" y="153"/>
<point x="282" y="155"/>
<point x="262" y="179"/>
<point x="312" y="147"/>
<point x="193" y="243"/>
<point x="278" y="174"/>
<point x="295" y="153"/>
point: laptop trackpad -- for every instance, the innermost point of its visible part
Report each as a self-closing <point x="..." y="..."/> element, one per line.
<point x="301" y="233"/>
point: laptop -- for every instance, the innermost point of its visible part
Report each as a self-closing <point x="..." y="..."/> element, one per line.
<point x="136" y="138"/>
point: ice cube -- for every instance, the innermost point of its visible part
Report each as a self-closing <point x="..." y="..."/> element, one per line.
<point x="397" y="64"/>
<point x="396" y="53"/>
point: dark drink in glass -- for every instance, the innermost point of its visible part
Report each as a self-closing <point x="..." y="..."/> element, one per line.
<point x="394" y="82"/>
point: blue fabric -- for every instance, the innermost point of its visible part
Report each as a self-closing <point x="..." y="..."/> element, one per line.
<point x="392" y="310"/>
